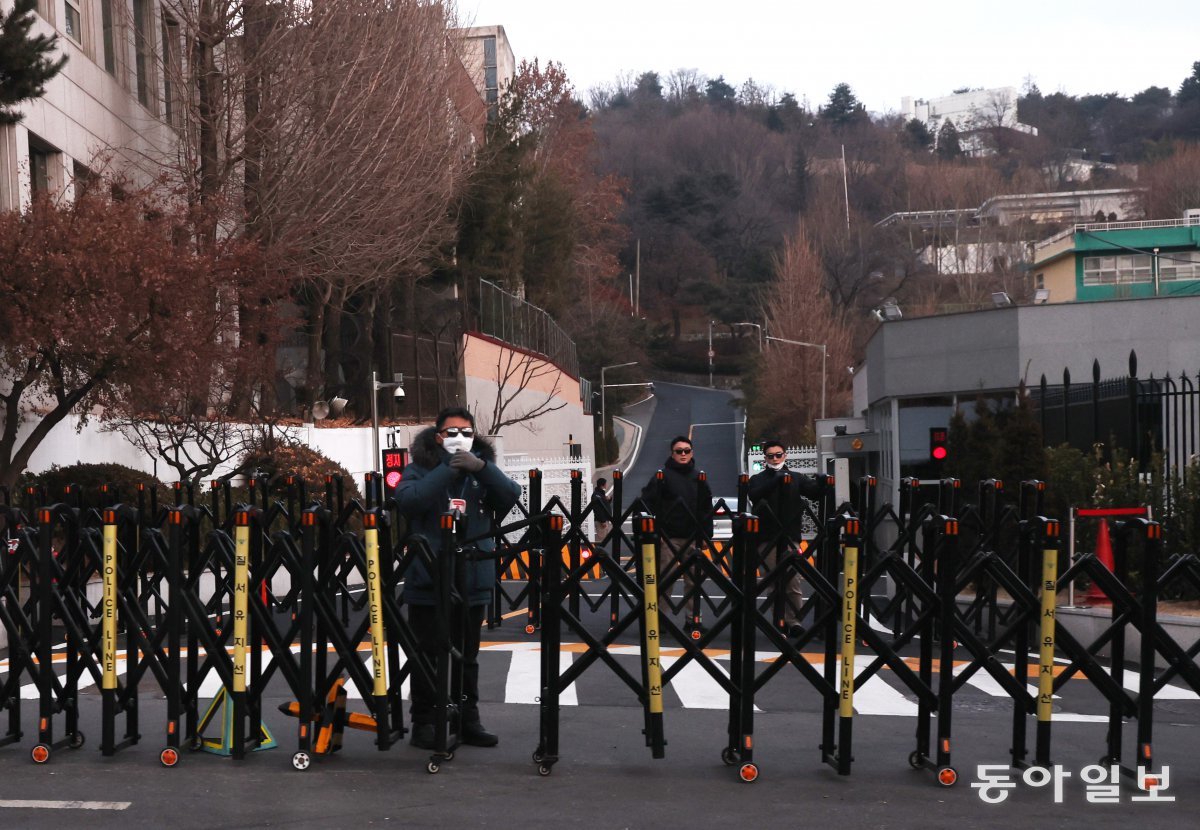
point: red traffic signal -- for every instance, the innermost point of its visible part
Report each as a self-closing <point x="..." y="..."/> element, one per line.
<point x="939" y="443"/>
<point x="394" y="462"/>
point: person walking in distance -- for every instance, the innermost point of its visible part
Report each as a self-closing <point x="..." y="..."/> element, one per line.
<point x="602" y="510"/>
<point x="452" y="469"/>
<point x="781" y="519"/>
<point x="682" y="505"/>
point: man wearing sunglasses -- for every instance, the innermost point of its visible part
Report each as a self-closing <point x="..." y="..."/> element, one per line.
<point x="781" y="519"/>
<point x="682" y="506"/>
<point x="452" y="469"/>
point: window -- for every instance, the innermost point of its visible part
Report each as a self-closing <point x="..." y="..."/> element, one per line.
<point x="1179" y="265"/>
<point x="72" y="27"/>
<point x="44" y="161"/>
<point x="143" y="60"/>
<point x="172" y="71"/>
<point x="39" y="170"/>
<point x="1113" y="270"/>
<point x="491" y="88"/>
<point x="109" y="27"/>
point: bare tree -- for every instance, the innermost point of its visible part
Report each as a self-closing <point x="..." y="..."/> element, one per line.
<point x="527" y="388"/>
<point x="327" y="133"/>
<point x="799" y="307"/>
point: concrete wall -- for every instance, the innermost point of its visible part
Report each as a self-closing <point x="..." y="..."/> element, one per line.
<point x="996" y="348"/>
<point x="527" y="383"/>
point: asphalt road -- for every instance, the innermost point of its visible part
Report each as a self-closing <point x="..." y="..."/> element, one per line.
<point x="715" y="426"/>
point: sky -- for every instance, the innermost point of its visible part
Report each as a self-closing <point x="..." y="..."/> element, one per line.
<point x="884" y="50"/>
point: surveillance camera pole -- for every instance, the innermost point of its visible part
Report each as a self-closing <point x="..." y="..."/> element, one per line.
<point x="376" y="386"/>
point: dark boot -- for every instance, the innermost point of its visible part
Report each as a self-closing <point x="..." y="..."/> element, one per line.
<point x="422" y="736"/>
<point x="473" y="734"/>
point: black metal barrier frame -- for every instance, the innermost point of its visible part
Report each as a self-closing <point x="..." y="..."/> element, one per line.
<point x="190" y="591"/>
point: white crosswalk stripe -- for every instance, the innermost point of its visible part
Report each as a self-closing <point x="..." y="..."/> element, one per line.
<point x="692" y="686"/>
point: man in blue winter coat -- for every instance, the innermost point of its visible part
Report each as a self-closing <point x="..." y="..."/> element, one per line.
<point x="452" y="469"/>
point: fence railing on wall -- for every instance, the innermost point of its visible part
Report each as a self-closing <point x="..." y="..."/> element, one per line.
<point x="505" y="316"/>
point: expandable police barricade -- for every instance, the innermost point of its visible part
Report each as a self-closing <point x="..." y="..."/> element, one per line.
<point x="268" y="592"/>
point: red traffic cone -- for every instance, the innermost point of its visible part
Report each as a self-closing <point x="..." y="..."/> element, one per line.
<point x="1094" y="595"/>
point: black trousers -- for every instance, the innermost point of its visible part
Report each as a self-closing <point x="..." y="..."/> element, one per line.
<point x="423" y="621"/>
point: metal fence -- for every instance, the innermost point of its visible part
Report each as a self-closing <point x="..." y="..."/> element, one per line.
<point x="507" y="317"/>
<point x="1142" y="416"/>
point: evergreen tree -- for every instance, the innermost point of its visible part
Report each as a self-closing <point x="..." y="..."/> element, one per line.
<point x="948" y="146"/>
<point x="1189" y="90"/>
<point x="843" y="108"/>
<point x="26" y="63"/>
<point x="917" y="134"/>
<point x="1021" y="455"/>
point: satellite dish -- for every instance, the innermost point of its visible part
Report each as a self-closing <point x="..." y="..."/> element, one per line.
<point x="320" y="411"/>
<point x="336" y="405"/>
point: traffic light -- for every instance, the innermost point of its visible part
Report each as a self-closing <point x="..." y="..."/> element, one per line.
<point x="394" y="461"/>
<point x="939" y="443"/>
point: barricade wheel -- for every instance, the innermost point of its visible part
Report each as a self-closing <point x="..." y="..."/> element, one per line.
<point x="169" y="757"/>
<point x="748" y="773"/>
<point x="529" y="629"/>
<point x="433" y="767"/>
<point x="538" y="756"/>
<point x="947" y="776"/>
<point x="729" y="756"/>
<point x="916" y="760"/>
<point x="301" y="761"/>
<point x="40" y="754"/>
<point x="77" y="740"/>
<point x="449" y="756"/>
<point x="197" y="743"/>
<point x="544" y="769"/>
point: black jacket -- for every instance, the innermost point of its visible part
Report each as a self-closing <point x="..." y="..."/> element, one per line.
<point x="778" y="507"/>
<point x="680" y="502"/>
<point x="424" y="495"/>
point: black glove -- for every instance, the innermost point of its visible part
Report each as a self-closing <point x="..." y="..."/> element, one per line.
<point x="464" y="461"/>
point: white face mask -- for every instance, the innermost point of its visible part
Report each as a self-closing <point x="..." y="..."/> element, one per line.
<point x="778" y="465"/>
<point x="458" y="442"/>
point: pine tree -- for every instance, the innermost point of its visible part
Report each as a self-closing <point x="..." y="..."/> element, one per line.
<point x="26" y="63"/>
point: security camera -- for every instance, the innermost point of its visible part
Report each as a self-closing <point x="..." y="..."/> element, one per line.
<point x="398" y="393"/>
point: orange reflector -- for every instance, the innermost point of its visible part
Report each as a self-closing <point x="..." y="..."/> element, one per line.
<point x="44" y="516"/>
<point x="309" y="519"/>
<point x="110" y="517"/>
<point x="535" y="473"/>
<point x="42" y="724"/>
<point x="576" y="474"/>
<point x="752" y="524"/>
<point x="141" y="487"/>
<point x="214" y="484"/>
<point x="289" y="481"/>
<point x="556" y="522"/>
<point x="1146" y="751"/>
<point x="370" y="520"/>
<point x="171" y="727"/>
<point x="947" y="777"/>
<point x="999" y="484"/>
<point x="242" y="519"/>
<point x="748" y="741"/>
<point x="176" y="517"/>
<point x="303" y="730"/>
<point x="40" y="754"/>
<point x="447" y="522"/>
<point x="529" y="629"/>
<point x="703" y="476"/>
<point x="749" y="772"/>
<point x="870" y="481"/>
<point x="695" y="635"/>
<point x="946" y="745"/>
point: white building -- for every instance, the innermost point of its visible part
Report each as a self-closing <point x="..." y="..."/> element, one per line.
<point x="489" y="60"/>
<point x="110" y="104"/>
<point x="970" y="112"/>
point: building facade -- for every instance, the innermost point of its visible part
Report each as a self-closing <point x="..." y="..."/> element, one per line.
<point x="488" y="58"/>
<point x="1110" y="260"/>
<point x="111" y="106"/>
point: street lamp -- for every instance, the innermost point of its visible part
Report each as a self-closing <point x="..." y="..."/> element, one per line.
<point x="603" y="407"/>
<point x="398" y="394"/>
<point x="760" y="332"/>
<point x="824" y="355"/>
